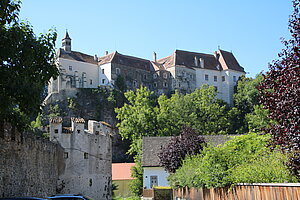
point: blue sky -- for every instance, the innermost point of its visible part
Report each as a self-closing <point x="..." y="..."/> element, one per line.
<point x="251" y="29"/>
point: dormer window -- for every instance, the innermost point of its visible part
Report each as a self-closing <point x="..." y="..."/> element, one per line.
<point x="118" y="71"/>
<point x="165" y="75"/>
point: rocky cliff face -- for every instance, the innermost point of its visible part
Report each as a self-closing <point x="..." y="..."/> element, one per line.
<point x="96" y="104"/>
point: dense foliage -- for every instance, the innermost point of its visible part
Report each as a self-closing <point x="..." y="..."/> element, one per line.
<point x="280" y="93"/>
<point x="187" y="143"/>
<point x="146" y="115"/>
<point x="245" y="159"/>
<point x="245" y="98"/>
<point x="26" y="65"/>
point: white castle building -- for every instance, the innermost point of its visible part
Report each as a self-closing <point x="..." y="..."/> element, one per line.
<point x="87" y="157"/>
<point x="182" y="70"/>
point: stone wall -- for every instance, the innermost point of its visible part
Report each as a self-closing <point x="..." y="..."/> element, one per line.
<point x="28" y="166"/>
<point x="90" y="104"/>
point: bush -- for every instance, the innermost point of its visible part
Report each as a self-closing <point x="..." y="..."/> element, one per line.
<point x="243" y="159"/>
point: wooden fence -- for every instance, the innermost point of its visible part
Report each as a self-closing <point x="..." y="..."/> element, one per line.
<point x="260" y="191"/>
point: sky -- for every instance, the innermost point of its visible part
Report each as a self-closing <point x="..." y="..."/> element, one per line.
<point x="250" y="29"/>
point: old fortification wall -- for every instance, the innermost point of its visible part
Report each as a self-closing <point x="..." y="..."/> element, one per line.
<point x="28" y="166"/>
<point x="97" y="104"/>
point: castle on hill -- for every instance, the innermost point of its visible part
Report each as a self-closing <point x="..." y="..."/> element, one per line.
<point x="182" y="70"/>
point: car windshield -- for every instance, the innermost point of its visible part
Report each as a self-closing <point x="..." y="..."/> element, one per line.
<point x="70" y="198"/>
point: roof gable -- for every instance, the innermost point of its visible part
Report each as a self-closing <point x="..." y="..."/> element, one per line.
<point x="228" y="61"/>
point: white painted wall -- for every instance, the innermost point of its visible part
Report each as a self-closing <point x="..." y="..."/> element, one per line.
<point x="91" y="70"/>
<point x="225" y="88"/>
<point x="107" y="74"/>
<point x="89" y="175"/>
<point x="155" y="171"/>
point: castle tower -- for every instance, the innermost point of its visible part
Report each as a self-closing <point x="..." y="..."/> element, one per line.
<point x="66" y="42"/>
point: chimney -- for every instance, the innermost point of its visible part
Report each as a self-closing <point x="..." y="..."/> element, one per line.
<point x="106" y="52"/>
<point x="154" y="56"/>
<point x="196" y="61"/>
<point x="201" y="62"/>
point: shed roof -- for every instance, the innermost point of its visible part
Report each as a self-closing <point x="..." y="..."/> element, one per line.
<point x="122" y="171"/>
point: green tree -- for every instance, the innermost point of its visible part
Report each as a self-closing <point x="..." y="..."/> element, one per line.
<point x="200" y="110"/>
<point x="26" y="65"/>
<point x="137" y="118"/>
<point x="245" y="158"/>
<point x="246" y="96"/>
<point x="258" y="119"/>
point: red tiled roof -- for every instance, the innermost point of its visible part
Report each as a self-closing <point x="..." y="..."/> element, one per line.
<point x="122" y="171"/>
<point x="228" y="61"/>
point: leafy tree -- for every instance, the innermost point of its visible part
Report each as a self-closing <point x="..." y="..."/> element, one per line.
<point x="246" y="96"/>
<point x="200" y="110"/>
<point x="188" y="143"/>
<point x="26" y="65"/>
<point x="280" y="93"/>
<point x="138" y="118"/>
<point x="258" y="119"/>
<point x="245" y="159"/>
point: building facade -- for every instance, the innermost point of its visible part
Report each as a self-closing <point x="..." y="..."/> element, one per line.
<point x="182" y="70"/>
<point x="87" y="157"/>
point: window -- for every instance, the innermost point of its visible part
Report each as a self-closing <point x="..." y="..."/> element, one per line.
<point x="215" y="78"/>
<point x="70" y="68"/>
<point x="55" y="130"/>
<point x="145" y="76"/>
<point x="216" y="88"/>
<point x="91" y="81"/>
<point x="97" y="133"/>
<point x="134" y="84"/>
<point x="78" y="131"/>
<point x="153" y="181"/>
<point x="154" y="76"/>
<point x="103" y="81"/>
<point x="165" y="84"/>
<point x="155" y="85"/>
<point x="85" y="155"/>
<point x="102" y="71"/>
<point x="165" y="75"/>
<point x="234" y="78"/>
<point x="66" y="155"/>
<point x="191" y="76"/>
<point x="118" y="70"/>
<point x="206" y="77"/>
<point x="223" y="78"/>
